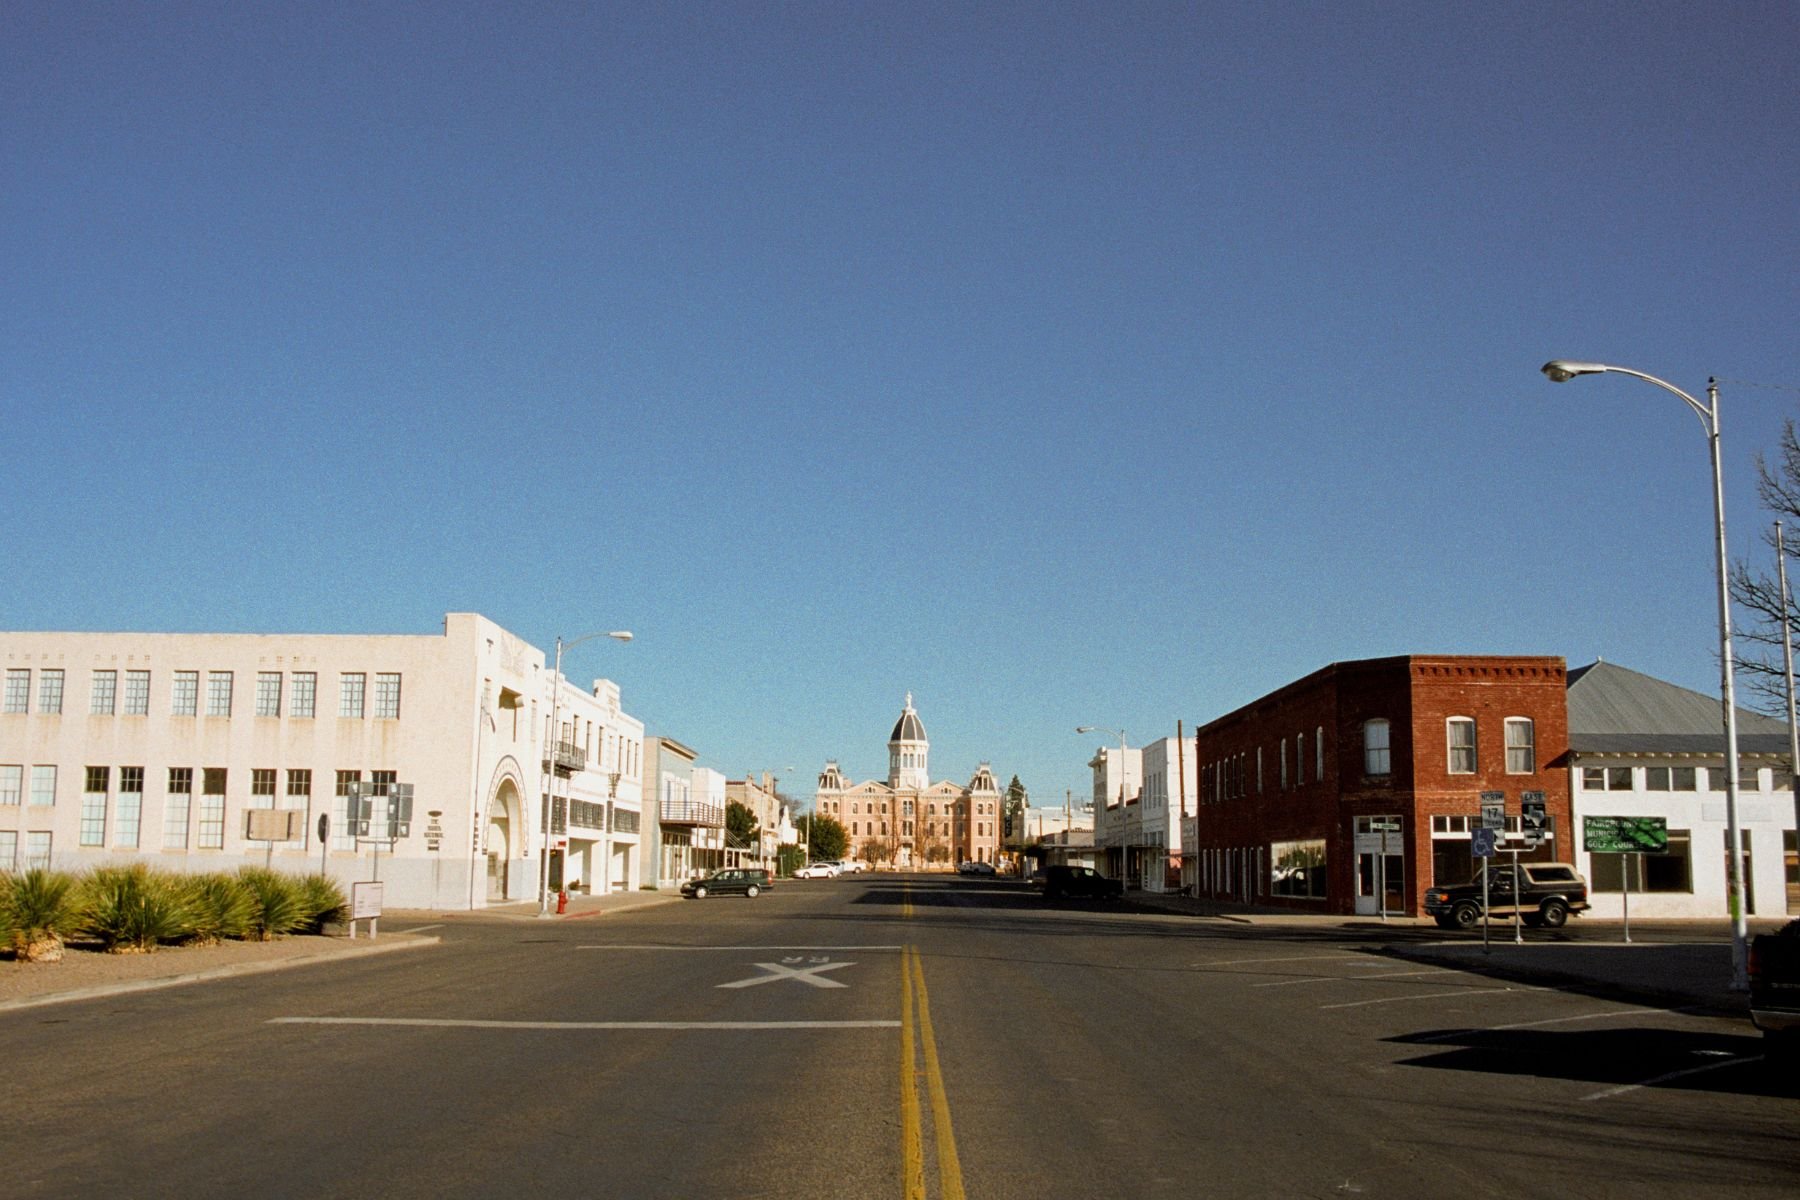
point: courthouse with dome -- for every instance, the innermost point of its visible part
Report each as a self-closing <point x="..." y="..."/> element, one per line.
<point x="907" y="820"/>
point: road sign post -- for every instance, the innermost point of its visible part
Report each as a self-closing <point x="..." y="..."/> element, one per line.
<point x="1481" y="845"/>
<point x="1630" y="838"/>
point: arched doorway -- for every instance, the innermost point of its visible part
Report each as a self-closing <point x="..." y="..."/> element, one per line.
<point x="503" y="827"/>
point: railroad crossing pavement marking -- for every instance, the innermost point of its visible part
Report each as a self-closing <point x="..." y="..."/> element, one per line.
<point x="809" y="975"/>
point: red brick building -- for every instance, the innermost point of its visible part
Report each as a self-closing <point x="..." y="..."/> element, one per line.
<point x="1363" y="779"/>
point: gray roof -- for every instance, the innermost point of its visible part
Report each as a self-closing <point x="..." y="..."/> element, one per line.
<point x="1613" y="710"/>
<point x="908" y="728"/>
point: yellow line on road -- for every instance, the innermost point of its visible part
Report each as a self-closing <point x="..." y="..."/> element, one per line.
<point x="912" y="1163"/>
<point x="905" y="901"/>
<point x="950" y="1185"/>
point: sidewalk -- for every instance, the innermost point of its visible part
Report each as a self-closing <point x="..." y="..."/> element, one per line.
<point x="579" y="905"/>
<point x="1675" y="963"/>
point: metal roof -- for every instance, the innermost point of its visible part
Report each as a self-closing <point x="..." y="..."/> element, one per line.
<point x="1614" y="710"/>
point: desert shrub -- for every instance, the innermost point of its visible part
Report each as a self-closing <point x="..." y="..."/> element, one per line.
<point x="42" y="908"/>
<point x="323" y="902"/>
<point x="221" y="906"/>
<point x="131" y="908"/>
<point x="279" y="902"/>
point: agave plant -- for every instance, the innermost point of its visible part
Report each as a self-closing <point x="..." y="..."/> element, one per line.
<point x="221" y="907"/>
<point x="279" y="902"/>
<point x="131" y="909"/>
<point x="42" y="908"/>
<point x="323" y="901"/>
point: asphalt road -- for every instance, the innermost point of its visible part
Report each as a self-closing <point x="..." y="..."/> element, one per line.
<point x="887" y="1037"/>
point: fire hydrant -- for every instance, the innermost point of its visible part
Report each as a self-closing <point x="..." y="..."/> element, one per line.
<point x="562" y="902"/>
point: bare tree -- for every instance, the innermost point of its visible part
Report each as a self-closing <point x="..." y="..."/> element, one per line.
<point x="1757" y="591"/>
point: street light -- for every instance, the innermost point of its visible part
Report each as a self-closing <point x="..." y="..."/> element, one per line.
<point x="618" y="635"/>
<point x="1124" y="850"/>
<point x="1563" y="370"/>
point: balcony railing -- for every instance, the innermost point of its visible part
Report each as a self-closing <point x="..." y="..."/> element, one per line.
<point x="569" y="757"/>
<point x="692" y="812"/>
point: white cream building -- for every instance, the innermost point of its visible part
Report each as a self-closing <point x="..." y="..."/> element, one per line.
<point x="152" y="747"/>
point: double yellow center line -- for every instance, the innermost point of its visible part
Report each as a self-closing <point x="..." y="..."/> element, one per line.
<point x="916" y="1040"/>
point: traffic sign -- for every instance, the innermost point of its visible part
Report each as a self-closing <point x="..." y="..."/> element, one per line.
<point x="1493" y="810"/>
<point x="1481" y="843"/>
<point x="1534" y="822"/>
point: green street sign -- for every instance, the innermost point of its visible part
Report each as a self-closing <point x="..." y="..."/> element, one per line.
<point x="1625" y="835"/>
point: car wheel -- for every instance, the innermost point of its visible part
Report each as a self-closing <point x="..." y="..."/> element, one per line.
<point x="751" y="891"/>
<point x="1555" y="914"/>
<point x="1465" y="916"/>
<point x="699" y="893"/>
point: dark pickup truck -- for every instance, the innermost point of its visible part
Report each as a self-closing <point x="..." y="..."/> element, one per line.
<point x="1552" y="891"/>
<point x="1775" y="987"/>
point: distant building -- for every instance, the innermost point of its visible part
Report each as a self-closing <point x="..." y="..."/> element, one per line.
<point x="687" y="805"/>
<point x="1354" y="789"/>
<point x="155" y="747"/>
<point x="1141" y="834"/>
<point x="908" y="820"/>
<point x="1639" y="747"/>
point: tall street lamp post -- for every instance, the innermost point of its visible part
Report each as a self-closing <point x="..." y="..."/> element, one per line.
<point x="552" y="745"/>
<point x="1563" y="370"/>
<point x="1124" y="850"/>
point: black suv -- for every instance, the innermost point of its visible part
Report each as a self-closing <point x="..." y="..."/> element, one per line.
<point x="1552" y="891"/>
<point x="1061" y="883"/>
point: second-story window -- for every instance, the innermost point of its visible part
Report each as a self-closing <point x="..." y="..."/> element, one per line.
<point x="387" y="696"/>
<point x="351" y="686"/>
<point x="268" y="693"/>
<point x="1460" y="735"/>
<point x="105" y="696"/>
<point x="1521" y="746"/>
<point x="218" y="693"/>
<point x="1377" y="757"/>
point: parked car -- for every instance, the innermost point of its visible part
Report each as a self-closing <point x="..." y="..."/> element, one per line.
<point x="853" y="866"/>
<point x="1065" y="882"/>
<point x="833" y="865"/>
<point x="736" y="881"/>
<point x="1551" y="892"/>
<point x="818" y="870"/>
<point x="1775" y="988"/>
<point x="975" y="868"/>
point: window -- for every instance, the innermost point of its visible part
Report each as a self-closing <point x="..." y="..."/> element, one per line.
<point x="262" y="783"/>
<point x="176" y="807"/>
<point x="131" y="806"/>
<point x="103" y="698"/>
<point x="1669" y="779"/>
<point x="387" y="696"/>
<point x="43" y="786"/>
<point x="1671" y="871"/>
<point x="342" y="838"/>
<point x="37" y="851"/>
<point x="1461" y="735"/>
<point x="1606" y="779"/>
<point x="1319" y="753"/>
<point x="299" y="783"/>
<point x="350" y="693"/>
<point x="218" y="693"/>
<point x="268" y="693"/>
<point x="1299" y="759"/>
<point x="1377" y="757"/>
<point x="303" y="693"/>
<point x="1297" y="869"/>
<point x="93" y="807"/>
<point x="12" y="788"/>
<point x="9" y="849"/>
<point x="1284" y="763"/>
<point x="18" y="690"/>
<point x="137" y="693"/>
<point x="184" y="697"/>
<point x="50" y="691"/>
<point x="1521" y="746"/>
<point x="212" y="809"/>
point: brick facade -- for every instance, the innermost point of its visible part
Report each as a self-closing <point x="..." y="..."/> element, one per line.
<point x="1294" y="770"/>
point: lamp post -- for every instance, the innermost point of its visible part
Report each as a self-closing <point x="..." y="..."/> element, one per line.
<point x="1563" y="370"/>
<point x="1124" y="849"/>
<point x="619" y="635"/>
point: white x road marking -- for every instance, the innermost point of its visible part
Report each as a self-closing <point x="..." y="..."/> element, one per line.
<point x="807" y="975"/>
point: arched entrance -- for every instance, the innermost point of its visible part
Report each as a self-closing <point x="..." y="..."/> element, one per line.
<point x="503" y="827"/>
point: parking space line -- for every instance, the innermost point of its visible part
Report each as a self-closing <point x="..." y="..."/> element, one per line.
<point x="1252" y="962"/>
<point x="688" y="949"/>
<point x="1608" y="1093"/>
<point x="1595" y="1016"/>
<point x="1464" y="993"/>
<point x="1346" y="978"/>
<point x="578" y="1026"/>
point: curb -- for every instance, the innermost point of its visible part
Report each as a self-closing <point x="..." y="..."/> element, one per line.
<point x="252" y="968"/>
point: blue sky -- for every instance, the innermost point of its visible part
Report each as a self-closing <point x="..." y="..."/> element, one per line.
<point x="1062" y="364"/>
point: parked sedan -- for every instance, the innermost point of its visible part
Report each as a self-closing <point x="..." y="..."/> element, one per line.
<point x="744" y="881"/>
<point x="816" y="870"/>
